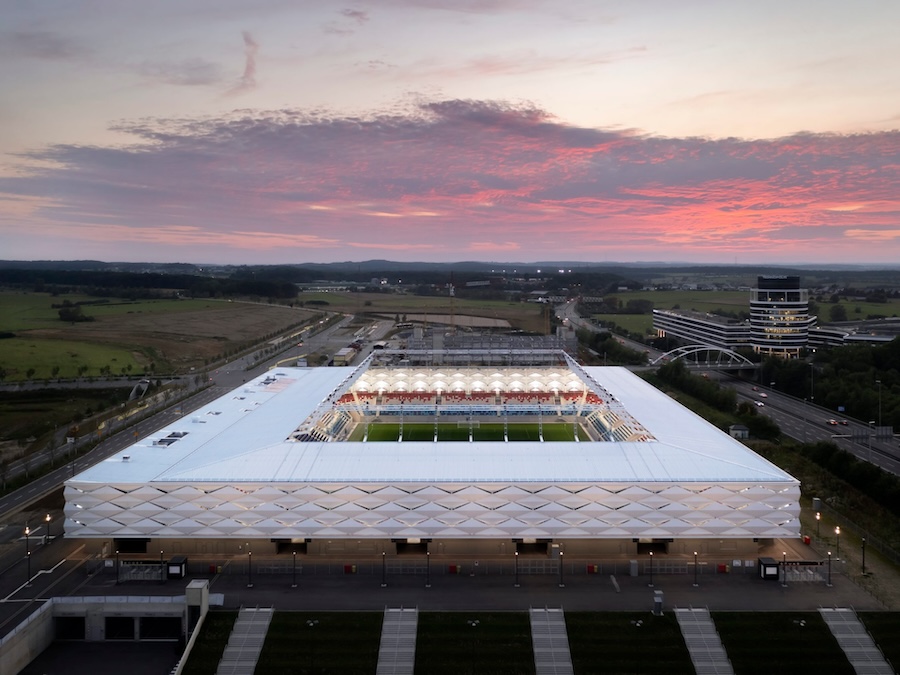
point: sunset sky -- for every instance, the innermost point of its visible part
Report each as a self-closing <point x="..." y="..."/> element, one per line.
<point x="291" y="131"/>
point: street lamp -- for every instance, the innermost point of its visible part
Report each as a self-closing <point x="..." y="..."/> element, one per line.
<point x="637" y="623"/>
<point x="818" y="518"/>
<point x="651" y="570"/>
<point x="312" y="623"/>
<point x="517" y="570"/>
<point x="864" y="556"/>
<point x="47" y="536"/>
<point x="695" y="570"/>
<point x="474" y="624"/>
<point x="117" y="567"/>
<point x="28" y="554"/>
<point x="294" y="578"/>
<point x="829" y="570"/>
<point x="837" y="533"/>
<point x="162" y="568"/>
<point x="427" y="569"/>
<point x="878" y="382"/>
<point x="249" y="569"/>
<point x="812" y="381"/>
<point x="383" y="571"/>
<point x="784" y="569"/>
<point x="561" y="584"/>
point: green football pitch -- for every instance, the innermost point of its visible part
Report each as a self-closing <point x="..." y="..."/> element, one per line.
<point x="456" y="432"/>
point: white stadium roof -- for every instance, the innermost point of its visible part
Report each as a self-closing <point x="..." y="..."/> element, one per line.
<point x="241" y="445"/>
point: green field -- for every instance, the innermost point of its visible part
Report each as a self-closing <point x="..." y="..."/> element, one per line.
<point x="453" y="432"/>
<point x="28" y="311"/>
<point x="63" y="359"/>
<point x="125" y="337"/>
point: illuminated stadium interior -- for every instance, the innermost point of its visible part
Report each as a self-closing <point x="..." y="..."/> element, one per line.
<point x="491" y="404"/>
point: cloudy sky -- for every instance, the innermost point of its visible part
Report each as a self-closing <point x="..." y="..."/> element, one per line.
<point x="273" y="131"/>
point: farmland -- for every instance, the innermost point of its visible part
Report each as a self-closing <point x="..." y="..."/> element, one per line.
<point x="148" y="336"/>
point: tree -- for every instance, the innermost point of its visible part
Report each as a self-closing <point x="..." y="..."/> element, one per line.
<point x="55" y="371"/>
<point x="837" y="313"/>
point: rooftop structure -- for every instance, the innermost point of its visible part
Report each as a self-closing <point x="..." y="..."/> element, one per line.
<point x="273" y="462"/>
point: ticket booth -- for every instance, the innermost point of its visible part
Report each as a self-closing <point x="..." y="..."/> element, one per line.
<point x="768" y="569"/>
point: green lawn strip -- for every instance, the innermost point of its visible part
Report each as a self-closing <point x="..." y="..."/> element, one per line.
<point x="26" y="311"/>
<point x="634" y="323"/>
<point x="336" y="642"/>
<point x="500" y="644"/>
<point x="614" y="642"/>
<point x="18" y="355"/>
<point x="884" y="628"/>
<point x="210" y="644"/>
<point x="799" y="643"/>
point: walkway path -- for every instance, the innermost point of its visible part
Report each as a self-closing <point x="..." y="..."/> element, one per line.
<point x="246" y="641"/>
<point x="852" y="636"/>
<point x="397" y="652"/>
<point x="703" y="643"/>
<point x="550" y="642"/>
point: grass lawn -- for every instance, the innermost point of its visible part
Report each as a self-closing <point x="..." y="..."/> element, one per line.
<point x="634" y="323"/>
<point x="884" y="628"/>
<point x="613" y="642"/>
<point x="207" y="651"/>
<point x="337" y="642"/>
<point x="500" y="644"/>
<point x="164" y="335"/>
<point x="27" y="311"/>
<point x="453" y="432"/>
<point x="798" y="643"/>
<point x="22" y="354"/>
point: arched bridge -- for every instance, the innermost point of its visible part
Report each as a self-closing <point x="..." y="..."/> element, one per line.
<point x="707" y="357"/>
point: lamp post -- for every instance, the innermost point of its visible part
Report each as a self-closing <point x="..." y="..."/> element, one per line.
<point x="829" y="570"/>
<point x="383" y="571"/>
<point x="28" y="554"/>
<point x="249" y="569"/>
<point x="818" y="518"/>
<point x="516" y="585"/>
<point x="561" y="584"/>
<point x="812" y="381"/>
<point x="312" y="623"/>
<point x="864" y="556"/>
<point x="427" y="569"/>
<point x="47" y="536"/>
<point x="117" y="567"/>
<point x="474" y="624"/>
<point x="637" y="623"/>
<point x="162" y="568"/>
<point x="837" y="533"/>
<point x="878" y="382"/>
<point x="695" y="570"/>
<point x="294" y="571"/>
<point x="784" y="569"/>
<point x="651" y="570"/>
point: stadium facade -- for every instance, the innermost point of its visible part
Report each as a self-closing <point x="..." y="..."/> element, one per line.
<point x="289" y="460"/>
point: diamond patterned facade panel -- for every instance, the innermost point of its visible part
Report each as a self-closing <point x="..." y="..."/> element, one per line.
<point x="597" y="511"/>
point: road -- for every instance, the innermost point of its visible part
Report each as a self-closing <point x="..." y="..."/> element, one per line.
<point x="809" y="423"/>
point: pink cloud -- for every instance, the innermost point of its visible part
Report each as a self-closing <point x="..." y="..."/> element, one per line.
<point x="449" y="178"/>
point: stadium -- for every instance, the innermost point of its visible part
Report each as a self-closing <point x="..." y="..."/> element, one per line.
<point x="451" y="459"/>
